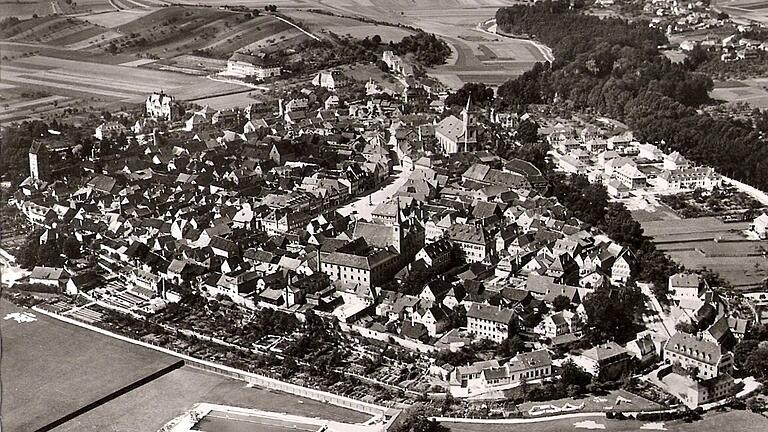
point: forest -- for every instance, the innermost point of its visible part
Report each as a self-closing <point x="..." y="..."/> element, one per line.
<point x="614" y="68"/>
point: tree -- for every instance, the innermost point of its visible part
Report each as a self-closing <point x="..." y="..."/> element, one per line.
<point x="686" y="327"/>
<point x="527" y="132"/>
<point x="427" y="49"/>
<point x="743" y="350"/>
<point x="71" y="247"/>
<point x="479" y="94"/>
<point x="692" y="371"/>
<point x="573" y="375"/>
<point x="561" y="302"/>
<point x="757" y="363"/>
<point x="417" y="420"/>
<point x="511" y="346"/>
<point x="458" y="317"/>
<point x="611" y="313"/>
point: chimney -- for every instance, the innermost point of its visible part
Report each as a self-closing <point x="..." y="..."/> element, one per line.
<point x="280" y="107"/>
<point x="154" y="137"/>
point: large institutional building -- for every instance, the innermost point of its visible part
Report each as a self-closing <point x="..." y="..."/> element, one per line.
<point x="259" y="66"/>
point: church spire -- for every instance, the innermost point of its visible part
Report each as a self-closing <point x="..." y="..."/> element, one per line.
<point x="465" y="121"/>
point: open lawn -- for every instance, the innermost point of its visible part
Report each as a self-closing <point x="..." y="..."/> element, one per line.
<point x="20" y="9"/>
<point x="692" y="225"/>
<point x="149" y="407"/>
<point x="51" y="369"/>
<point x="364" y="72"/>
<point x="741" y="421"/>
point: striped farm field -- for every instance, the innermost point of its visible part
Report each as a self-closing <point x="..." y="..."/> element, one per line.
<point x="96" y="83"/>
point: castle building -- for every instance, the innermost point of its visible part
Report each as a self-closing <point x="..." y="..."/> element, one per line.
<point x="161" y="106"/>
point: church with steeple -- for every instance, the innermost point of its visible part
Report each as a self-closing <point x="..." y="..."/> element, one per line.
<point x="457" y="134"/>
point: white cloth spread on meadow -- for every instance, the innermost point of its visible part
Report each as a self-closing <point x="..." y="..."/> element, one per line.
<point x="21" y="317"/>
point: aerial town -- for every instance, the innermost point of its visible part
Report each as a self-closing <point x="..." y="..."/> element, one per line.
<point x="359" y="242"/>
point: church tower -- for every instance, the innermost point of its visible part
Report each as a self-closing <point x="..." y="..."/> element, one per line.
<point x="397" y="227"/>
<point x="38" y="161"/>
<point x="465" y="122"/>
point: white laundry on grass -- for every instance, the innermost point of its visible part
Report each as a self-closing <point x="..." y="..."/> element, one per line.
<point x="21" y="317"/>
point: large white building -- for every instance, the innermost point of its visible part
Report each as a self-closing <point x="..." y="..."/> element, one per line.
<point x="630" y="176"/>
<point x="689" y="351"/>
<point x="689" y="178"/>
<point x="480" y="377"/>
<point x="259" y="66"/>
<point x="489" y="322"/>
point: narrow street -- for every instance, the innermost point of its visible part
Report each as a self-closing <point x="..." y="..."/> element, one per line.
<point x="662" y="323"/>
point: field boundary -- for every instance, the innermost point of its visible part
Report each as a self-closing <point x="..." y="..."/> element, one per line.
<point x="296" y="26"/>
<point x="250" y="377"/>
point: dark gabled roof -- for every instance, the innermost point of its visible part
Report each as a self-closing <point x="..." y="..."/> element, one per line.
<point x="694" y="347"/>
<point x="606" y="351"/>
<point x="259" y="59"/>
<point x="415" y="331"/>
<point x="490" y="313"/>
<point x="467" y="234"/>
<point x="223" y="244"/>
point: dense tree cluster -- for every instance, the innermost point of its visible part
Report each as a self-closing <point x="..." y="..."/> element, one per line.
<point x="324" y="54"/>
<point x="427" y="49"/>
<point x="750" y="355"/>
<point x="51" y="254"/>
<point x="615" y="68"/>
<point x="479" y="95"/>
<point x="16" y="143"/>
<point x="611" y="313"/>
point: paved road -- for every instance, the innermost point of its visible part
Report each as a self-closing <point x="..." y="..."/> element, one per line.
<point x="363" y="206"/>
<point x="662" y="323"/>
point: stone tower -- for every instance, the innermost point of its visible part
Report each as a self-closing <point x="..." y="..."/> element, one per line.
<point x="38" y="161"/>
